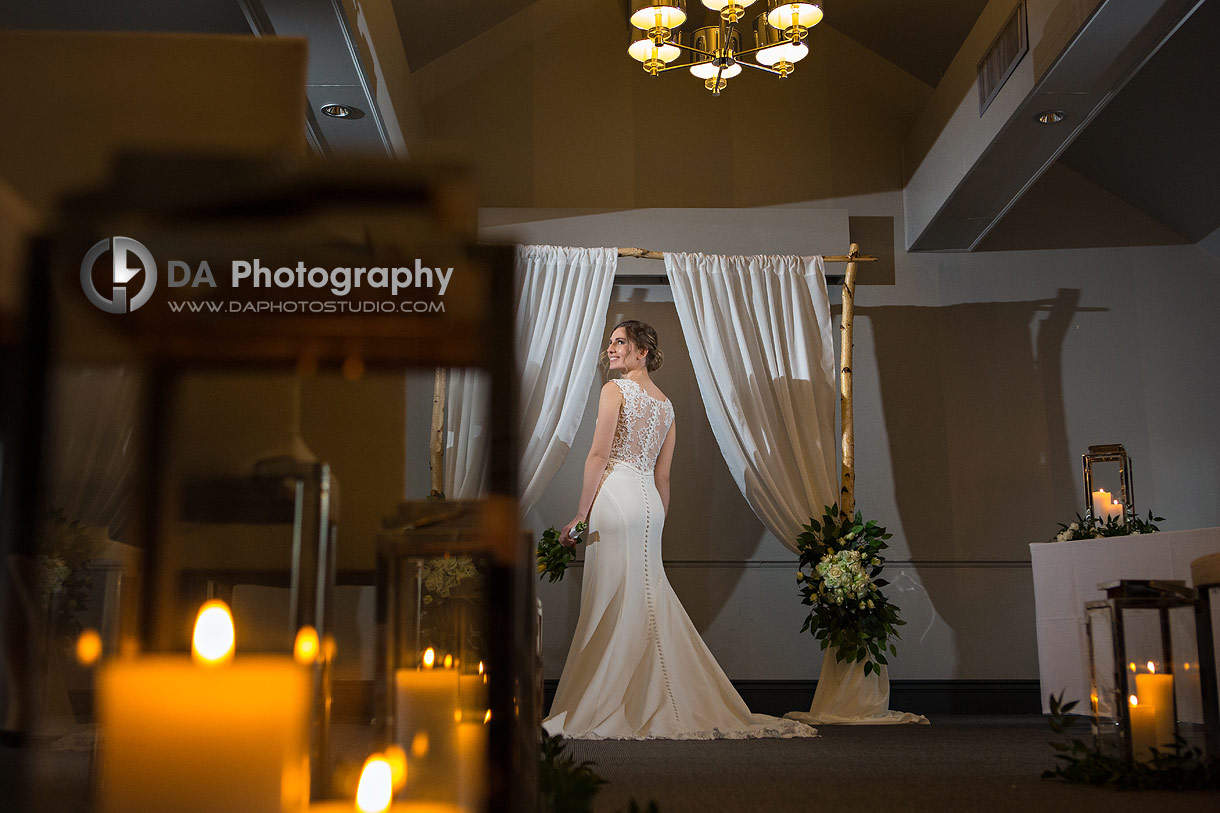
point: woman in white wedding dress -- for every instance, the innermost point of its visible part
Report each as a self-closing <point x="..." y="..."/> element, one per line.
<point x="637" y="667"/>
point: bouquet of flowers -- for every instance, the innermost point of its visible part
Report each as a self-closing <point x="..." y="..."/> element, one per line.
<point x="838" y="577"/>
<point x="553" y="557"/>
<point x="1081" y="528"/>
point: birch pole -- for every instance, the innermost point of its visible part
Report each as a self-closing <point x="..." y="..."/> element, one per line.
<point x="436" y="446"/>
<point x="847" y="489"/>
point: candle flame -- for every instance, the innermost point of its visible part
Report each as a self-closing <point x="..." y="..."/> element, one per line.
<point x="1186" y="665"/>
<point x="448" y="661"/>
<point x="1131" y="666"/>
<point x="1152" y="667"/>
<point x="306" y="648"/>
<point x="213" y="639"/>
<point x="398" y="765"/>
<point x="487" y="717"/>
<point x="376" y="788"/>
<point x="429" y="657"/>
<point x="480" y="667"/>
<point x="88" y="647"/>
<point x="1133" y="700"/>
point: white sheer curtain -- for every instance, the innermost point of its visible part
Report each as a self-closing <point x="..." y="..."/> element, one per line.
<point x="563" y="296"/>
<point x="761" y="345"/>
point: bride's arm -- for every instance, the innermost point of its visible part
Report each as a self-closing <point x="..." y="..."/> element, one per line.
<point x="608" y="406"/>
<point x="661" y="473"/>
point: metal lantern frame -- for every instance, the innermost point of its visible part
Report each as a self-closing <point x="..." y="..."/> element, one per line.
<point x="474" y="331"/>
<point x="1205" y="628"/>
<point x="1108" y="453"/>
<point x="1108" y="641"/>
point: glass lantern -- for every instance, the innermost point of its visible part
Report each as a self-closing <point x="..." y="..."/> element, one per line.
<point x="228" y="502"/>
<point x="1119" y="501"/>
<point x="1205" y="573"/>
<point x="434" y="568"/>
<point x="1146" y="689"/>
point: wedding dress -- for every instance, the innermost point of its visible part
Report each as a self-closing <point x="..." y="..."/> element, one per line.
<point x="637" y="668"/>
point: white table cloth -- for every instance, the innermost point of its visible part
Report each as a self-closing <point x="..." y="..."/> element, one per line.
<point x="1066" y="575"/>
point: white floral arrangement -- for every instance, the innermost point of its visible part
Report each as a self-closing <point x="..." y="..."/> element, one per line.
<point x="839" y="577"/>
<point x="1082" y="528"/>
<point x="443" y="575"/>
<point x="844" y="577"/>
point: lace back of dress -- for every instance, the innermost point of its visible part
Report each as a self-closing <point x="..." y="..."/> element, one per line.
<point x="643" y="423"/>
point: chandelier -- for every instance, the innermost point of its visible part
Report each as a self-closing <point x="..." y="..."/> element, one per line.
<point x="716" y="52"/>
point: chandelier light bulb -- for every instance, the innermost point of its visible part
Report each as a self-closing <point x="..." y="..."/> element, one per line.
<point x="643" y="50"/>
<point x="786" y="52"/>
<point x="650" y="14"/>
<point x="730" y="10"/>
<point x="794" y="19"/>
<point x="707" y="70"/>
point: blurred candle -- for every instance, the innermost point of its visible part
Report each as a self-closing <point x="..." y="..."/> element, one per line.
<point x="1143" y="730"/>
<point x="472" y="767"/>
<point x="1156" y="693"/>
<point x="426" y="702"/>
<point x="213" y="735"/>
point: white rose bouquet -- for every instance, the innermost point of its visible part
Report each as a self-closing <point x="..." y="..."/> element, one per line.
<point x="839" y="573"/>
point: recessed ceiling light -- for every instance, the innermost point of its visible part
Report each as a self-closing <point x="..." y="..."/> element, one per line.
<point x="1052" y="116"/>
<point x="340" y="111"/>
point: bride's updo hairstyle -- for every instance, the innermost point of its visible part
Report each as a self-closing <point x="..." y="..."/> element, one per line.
<point x="643" y="336"/>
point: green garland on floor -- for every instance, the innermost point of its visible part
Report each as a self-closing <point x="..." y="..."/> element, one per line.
<point x="1182" y="768"/>
<point x="566" y="786"/>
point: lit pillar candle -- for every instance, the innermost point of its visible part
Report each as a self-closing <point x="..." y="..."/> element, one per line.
<point x="1143" y="730"/>
<point x="472" y="766"/>
<point x="1156" y="692"/>
<point x="1101" y="503"/>
<point x="425" y="725"/>
<point x="185" y="736"/>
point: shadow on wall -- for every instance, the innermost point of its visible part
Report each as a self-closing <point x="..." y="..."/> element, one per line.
<point x="973" y="402"/>
<point x="972" y="397"/>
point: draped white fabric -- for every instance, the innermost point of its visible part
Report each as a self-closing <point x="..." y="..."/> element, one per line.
<point x="563" y="296"/>
<point x="847" y="696"/>
<point x="761" y="345"/>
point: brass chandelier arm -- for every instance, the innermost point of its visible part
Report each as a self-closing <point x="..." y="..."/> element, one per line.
<point x="677" y="44"/>
<point x="754" y="50"/>
<point x="680" y="67"/>
<point x="756" y="66"/>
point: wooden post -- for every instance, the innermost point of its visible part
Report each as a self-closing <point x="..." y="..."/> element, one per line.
<point x="847" y="490"/>
<point x="436" y="445"/>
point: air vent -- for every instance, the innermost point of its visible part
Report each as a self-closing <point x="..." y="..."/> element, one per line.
<point x="1010" y="45"/>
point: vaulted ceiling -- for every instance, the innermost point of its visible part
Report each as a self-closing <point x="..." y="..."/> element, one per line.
<point x="1151" y="149"/>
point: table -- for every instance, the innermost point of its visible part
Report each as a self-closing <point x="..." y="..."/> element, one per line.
<point x="1066" y="575"/>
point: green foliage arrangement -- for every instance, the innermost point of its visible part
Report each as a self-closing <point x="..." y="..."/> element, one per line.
<point x="1182" y="768"/>
<point x="838" y="578"/>
<point x="63" y="576"/>
<point x="553" y="557"/>
<point x="1081" y="528"/>
<point x="564" y="785"/>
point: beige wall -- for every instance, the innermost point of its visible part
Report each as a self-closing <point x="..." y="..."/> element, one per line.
<point x="548" y="126"/>
<point x="78" y="98"/>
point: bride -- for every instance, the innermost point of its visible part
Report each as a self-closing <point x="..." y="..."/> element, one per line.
<point x="637" y="667"/>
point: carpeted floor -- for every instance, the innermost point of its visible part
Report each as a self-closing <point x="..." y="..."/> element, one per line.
<point x="991" y="764"/>
<point x="957" y="763"/>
